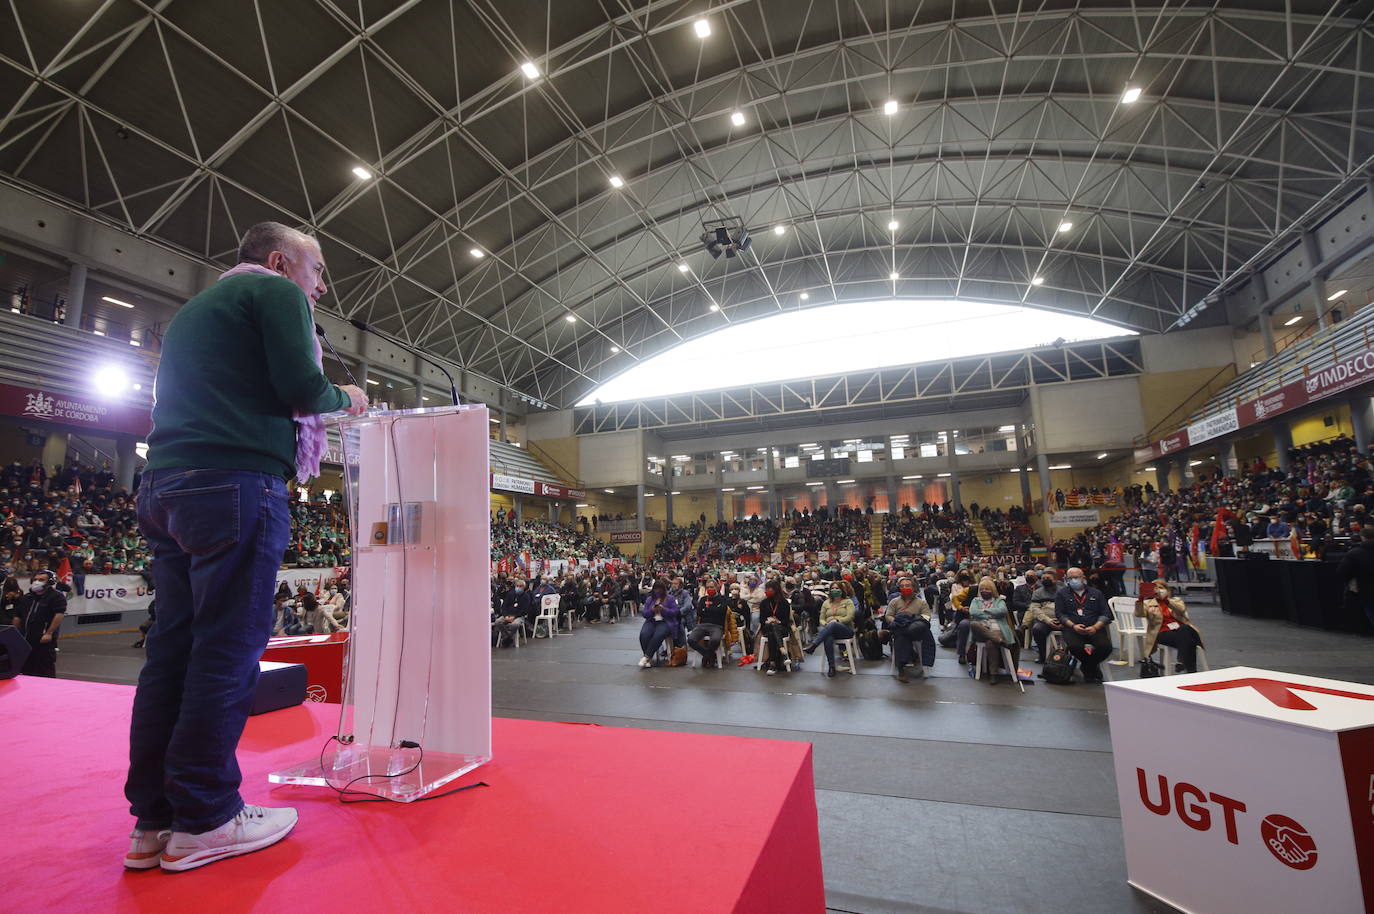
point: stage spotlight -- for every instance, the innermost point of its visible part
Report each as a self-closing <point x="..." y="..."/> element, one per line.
<point x="110" y="381"/>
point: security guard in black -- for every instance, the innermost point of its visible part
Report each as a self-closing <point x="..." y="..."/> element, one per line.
<point x="37" y="616"/>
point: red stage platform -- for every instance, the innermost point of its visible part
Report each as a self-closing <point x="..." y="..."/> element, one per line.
<point x="576" y="818"/>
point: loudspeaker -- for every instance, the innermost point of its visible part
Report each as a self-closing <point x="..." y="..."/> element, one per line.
<point x="280" y="685"/>
<point x="14" y="652"/>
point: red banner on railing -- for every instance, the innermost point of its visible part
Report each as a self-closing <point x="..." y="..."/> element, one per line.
<point x="1346" y="374"/>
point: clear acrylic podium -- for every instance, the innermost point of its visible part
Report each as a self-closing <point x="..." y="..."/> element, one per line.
<point x="418" y="664"/>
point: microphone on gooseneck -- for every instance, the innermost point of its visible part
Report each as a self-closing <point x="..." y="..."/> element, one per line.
<point x="413" y="350"/>
<point x="319" y="331"/>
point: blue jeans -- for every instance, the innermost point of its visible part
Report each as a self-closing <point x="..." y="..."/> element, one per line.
<point x="217" y="538"/>
<point x="826" y="638"/>
<point x="652" y="635"/>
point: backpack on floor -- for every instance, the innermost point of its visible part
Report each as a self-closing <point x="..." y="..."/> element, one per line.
<point x="1058" y="668"/>
<point x="870" y="647"/>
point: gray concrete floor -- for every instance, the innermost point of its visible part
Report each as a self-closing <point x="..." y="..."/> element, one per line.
<point x="914" y="782"/>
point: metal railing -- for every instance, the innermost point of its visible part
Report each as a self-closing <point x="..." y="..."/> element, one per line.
<point x="1323" y="349"/>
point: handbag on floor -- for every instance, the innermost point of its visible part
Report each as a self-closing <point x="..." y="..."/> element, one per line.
<point x="1149" y="669"/>
<point x="678" y="657"/>
<point x="1058" y="667"/>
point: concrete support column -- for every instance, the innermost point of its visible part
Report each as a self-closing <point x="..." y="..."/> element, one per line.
<point x="892" y="506"/>
<point x="1283" y="443"/>
<point x="1359" y="418"/>
<point x="954" y="495"/>
<point x="76" y="295"/>
<point x="832" y="500"/>
<point x="1266" y="322"/>
<point x="668" y="504"/>
<point x="1185" y="471"/>
<point x="639" y="505"/>
<point x="770" y="470"/>
<point x="519" y="501"/>
<point x="1042" y="466"/>
<point x="504" y="419"/>
<point x="1162" y="476"/>
<point x="125" y="459"/>
<point x="1027" y="499"/>
<point x="553" y="512"/>
<point x="55" y="449"/>
<point x="720" y="505"/>
<point x="360" y="371"/>
<point x="1229" y="465"/>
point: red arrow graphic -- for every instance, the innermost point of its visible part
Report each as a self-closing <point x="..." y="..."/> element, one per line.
<point x="1279" y="692"/>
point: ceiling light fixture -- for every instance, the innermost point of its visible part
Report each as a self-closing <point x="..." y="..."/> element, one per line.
<point x="115" y="301"/>
<point x="1102" y="456"/>
<point x="715" y="308"/>
<point x="477" y="253"/>
<point x="1065" y="226"/>
<point x="617" y="181"/>
<point x="737" y="118"/>
<point x="805" y="296"/>
<point x="1037" y="280"/>
<point x="683" y="268"/>
<point x="917" y="476"/>
<point x="779" y="230"/>
<point x="615" y="349"/>
<point x="570" y="318"/>
<point x="361" y="173"/>
<point x="1130" y="96"/>
<point x="894" y="275"/>
<point x="702" y="27"/>
<point x="530" y="70"/>
<point x="1292" y="320"/>
<point x="890" y="107"/>
<point x="1062" y="466"/>
<point x="893" y="225"/>
<point x="1335" y="295"/>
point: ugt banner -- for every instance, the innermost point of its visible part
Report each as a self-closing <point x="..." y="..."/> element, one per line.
<point x="110" y="593"/>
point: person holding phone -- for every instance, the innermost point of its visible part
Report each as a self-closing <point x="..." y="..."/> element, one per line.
<point x="661" y="618"/>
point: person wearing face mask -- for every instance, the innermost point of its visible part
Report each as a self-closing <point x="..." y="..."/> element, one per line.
<point x="716" y="622"/>
<point x="989" y="620"/>
<point x="1042" y="613"/>
<point x="661" y="623"/>
<point x="37" y="615"/>
<point x="516" y="608"/>
<point x="907" y="617"/>
<point x="1084" y="615"/>
<point x="775" y="625"/>
<point x="752" y="592"/>
<point x="1170" y="626"/>
<point x="739" y="608"/>
<point x="837" y="621"/>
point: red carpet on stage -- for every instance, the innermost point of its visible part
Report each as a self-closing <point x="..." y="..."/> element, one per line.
<point x="576" y="819"/>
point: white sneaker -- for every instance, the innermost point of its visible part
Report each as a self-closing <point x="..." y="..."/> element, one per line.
<point x="787" y="665"/>
<point x="645" y="663"/>
<point x="251" y="830"/>
<point x="145" y="849"/>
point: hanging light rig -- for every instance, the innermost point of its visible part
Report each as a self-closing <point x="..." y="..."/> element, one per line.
<point x="726" y="236"/>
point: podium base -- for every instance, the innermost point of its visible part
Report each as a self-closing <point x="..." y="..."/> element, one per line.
<point x="402" y="775"/>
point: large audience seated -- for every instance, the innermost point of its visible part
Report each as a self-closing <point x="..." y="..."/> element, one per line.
<point x="547" y="541"/>
<point x="77" y="513"/>
<point x="928" y="527"/>
<point x="847" y="529"/>
<point x="675" y="542"/>
<point x="1322" y="500"/>
<point x="744" y="537"/>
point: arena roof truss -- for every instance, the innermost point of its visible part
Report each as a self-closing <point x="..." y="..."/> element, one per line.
<point x="184" y="122"/>
<point x="998" y="379"/>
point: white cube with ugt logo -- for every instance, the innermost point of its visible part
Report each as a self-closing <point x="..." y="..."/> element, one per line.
<point x="1247" y="790"/>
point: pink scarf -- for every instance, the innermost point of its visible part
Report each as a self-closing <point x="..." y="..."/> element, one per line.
<point x="310" y="436"/>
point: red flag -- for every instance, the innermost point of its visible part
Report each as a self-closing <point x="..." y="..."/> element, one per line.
<point x="1219" y="530"/>
<point x="64" y="571"/>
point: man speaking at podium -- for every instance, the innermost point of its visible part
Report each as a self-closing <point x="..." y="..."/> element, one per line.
<point x="236" y="414"/>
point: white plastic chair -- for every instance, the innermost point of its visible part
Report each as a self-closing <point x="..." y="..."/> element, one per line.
<point x="569" y="614"/>
<point x="981" y="661"/>
<point x="1130" y="628"/>
<point x="1168" y="657"/>
<point x="548" y="614"/>
<point x="851" y="648"/>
